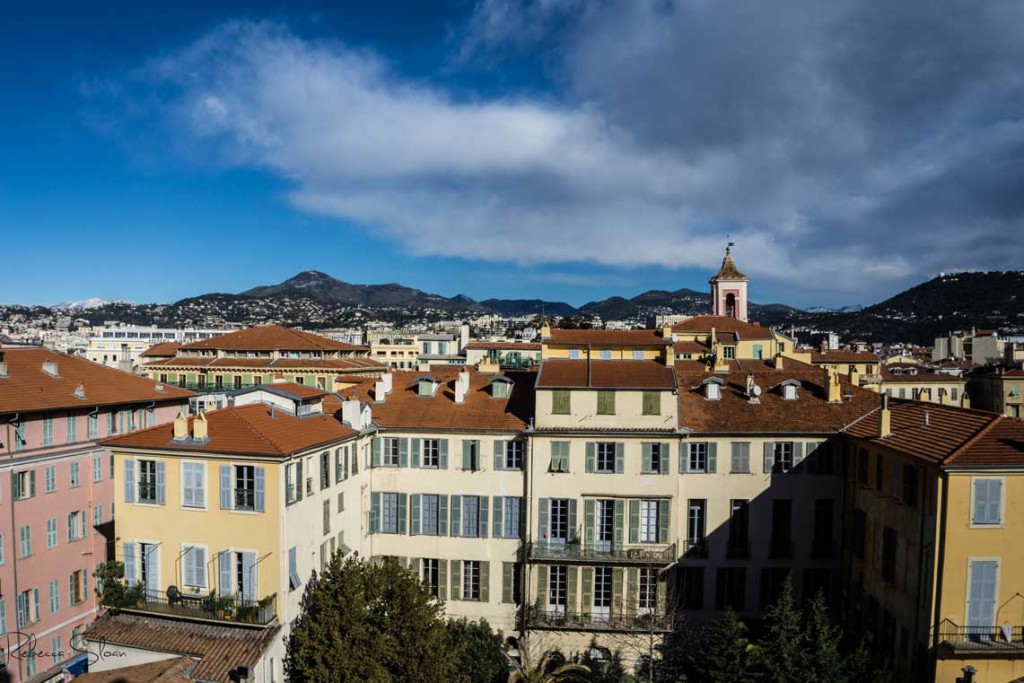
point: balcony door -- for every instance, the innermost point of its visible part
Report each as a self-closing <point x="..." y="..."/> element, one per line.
<point x="981" y="598"/>
<point x="150" y="569"/>
<point x="605" y="522"/>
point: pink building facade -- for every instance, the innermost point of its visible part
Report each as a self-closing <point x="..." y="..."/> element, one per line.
<point x="56" y="496"/>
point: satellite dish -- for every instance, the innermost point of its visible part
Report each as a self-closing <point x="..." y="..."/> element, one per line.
<point x="757" y="390"/>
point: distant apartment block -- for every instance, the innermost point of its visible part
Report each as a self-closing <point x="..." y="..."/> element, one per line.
<point x="122" y="346"/>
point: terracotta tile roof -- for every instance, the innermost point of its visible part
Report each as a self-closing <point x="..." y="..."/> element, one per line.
<point x="723" y="324"/>
<point x="219" y="649"/>
<point x="809" y="413"/>
<point x="404" y="409"/>
<point x="843" y="356"/>
<point x="608" y="337"/>
<point x="329" y="364"/>
<point x="606" y="374"/>
<point x="690" y="347"/>
<point x="27" y="388"/>
<point x="272" y="338"/>
<point x="255" y="429"/>
<point x="173" y="670"/>
<point x="510" y="345"/>
<point x="954" y="437"/>
<point x="299" y="391"/>
<point x="161" y="350"/>
<point x="921" y="377"/>
<point x="728" y="271"/>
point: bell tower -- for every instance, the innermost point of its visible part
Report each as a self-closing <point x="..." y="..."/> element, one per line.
<point x="729" y="289"/>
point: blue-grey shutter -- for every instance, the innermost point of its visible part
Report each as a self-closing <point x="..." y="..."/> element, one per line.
<point x="499" y="454"/>
<point x="542" y="520"/>
<point x="416" y="443"/>
<point x="591" y="465"/>
<point x="444" y="454"/>
<point x="798" y="453"/>
<point x="666" y="451"/>
<point x="261" y="494"/>
<point x="572" y="519"/>
<point x="442" y="516"/>
<point x="248" y="589"/>
<point x="376" y="452"/>
<point x="995" y="487"/>
<point x="769" y="457"/>
<point x="153" y="577"/>
<point x="620" y="457"/>
<point x="467" y="454"/>
<point x="456" y="516"/>
<point x="482" y="521"/>
<point x="375" y="512"/>
<point x="684" y="450"/>
<point x="225" y="487"/>
<point x="414" y="505"/>
<point x="130" y="575"/>
<point x="160" y="480"/>
<point x="981" y="610"/>
<point x="497" y="514"/>
<point x="645" y="457"/>
<point x="712" y="457"/>
<point x="300" y="483"/>
<point x="129" y="481"/>
<point x="403" y="512"/>
<point x="403" y="452"/>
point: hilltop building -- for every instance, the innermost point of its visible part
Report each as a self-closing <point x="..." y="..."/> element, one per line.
<point x="123" y="346"/>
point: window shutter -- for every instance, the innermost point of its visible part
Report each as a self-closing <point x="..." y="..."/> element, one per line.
<point x="403" y="513"/>
<point x="498" y="504"/>
<point x="543" y="585"/>
<point x="591" y="457"/>
<point x="632" y="590"/>
<point x="663" y="520"/>
<point x="225" y="487"/>
<point x="634" y="521"/>
<point x="572" y="519"/>
<point x="666" y="455"/>
<point x="456" y="516"/>
<point x="588" y="523"/>
<point x="71" y="528"/>
<point x="129" y="481"/>
<point x="375" y="462"/>
<point x="499" y="455"/>
<point x="994" y="500"/>
<point x="712" y="457"/>
<point x="542" y="519"/>
<point x="444" y="454"/>
<point x="467" y="454"/>
<point x="248" y="589"/>
<point x="618" y="533"/>
<point x="416" y="444"/>
<point x="403" y="452"/>
<point x="684" y="456"/>
<point x="769" y="457"/>
<point x="81" y="522"/>
<point x="798" y="453"/>
<point x="980" y="501"/>
<point x="414" y="506"/>
<point x="617" y="577"/>
<point x="485" y="581"/>
<point x="300" y="483"/>
<point x="16" y="487"/>
<point x="456" y="572"/>
<point x="442" y="516"/>
<point x="482" y="521"/>
<point x="261" y="493"/>
<point x="646" y="464"/>
<point x="507" y="572"/>
<point x="442" y="580"/>
<point x="620" y="457"/>
<point x="588" y="591"/>
<point x="375" y="512"/>
<point x="129" y="564"/>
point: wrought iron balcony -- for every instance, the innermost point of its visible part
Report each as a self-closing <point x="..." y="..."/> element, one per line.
<point x="210" y="607"/>
<point x="541" y="618"/>
<point x="994" y="639"/>
<point x="654" y="553"/>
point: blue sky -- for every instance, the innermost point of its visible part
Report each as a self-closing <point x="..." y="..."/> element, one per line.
<point x="556" y="148"/>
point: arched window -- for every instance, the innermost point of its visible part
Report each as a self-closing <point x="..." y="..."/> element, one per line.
<point x="730" y="305"/>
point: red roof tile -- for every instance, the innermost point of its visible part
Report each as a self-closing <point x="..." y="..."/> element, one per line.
<point x="509" y="346"/>
<point x="608" y="337"/>
<point x="843" y="356"/>
<point x="272" y="338"/>
<point x="161" y="350"/>
<point x="743" y="330"/>
<point x="605" y="374"/>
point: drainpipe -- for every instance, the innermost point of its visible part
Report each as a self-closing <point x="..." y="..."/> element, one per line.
<point x="14" y="535"/>
<point x="940" y="553"/>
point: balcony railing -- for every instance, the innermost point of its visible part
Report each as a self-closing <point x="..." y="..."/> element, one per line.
<point x="245" y="499"/>
<point x="696" y="549"/>
<point x="982" y="638"/>
<point x="207" y="607"/>
<point x="580" y="552"/>
<point x="541" y="618"/>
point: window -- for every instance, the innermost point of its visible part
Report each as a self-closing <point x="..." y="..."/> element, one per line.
<point x="471" y="455"/>
<point x="430" y="575"/>
<point x="512" y="515"/>
<point x="739" y="528"/>
<point x="824" y="522"/>
<point x="245" y="487"/>
<point x="97" y="468"/>
<point x="325" y="470"/>
<point x="649" y="521"/>
<point x="773" y="580"/>
<point x="606" y="354"/>
<point x="193" y="482"/>
<point x="697" y="460"/>
<point x="862" y="466"/>
<point x="605" y="455"/>
<point x="431" y="452"/>
<point x="782" y="456"/>
<point x="147" y="481"/>
<point x="654" y="459"/>
<point x="558" y="588"/>
<point x="97" y="515"/>
<point x="692" y="579"/>
<point x="194" y="567"/>
<point x="471" y="580"/>
<point x="293" y="569"/>
<point x="602" y="593"/>
<point x="25" y="541"/>
<point x="781" y="541"/>
<point x="24" y="484"/>
<point x="729" y="352"/>
<point x="76" y="525"/>
<point x="910" y="485"/>
<point x="291" y="490"/>
<point x="473" y="520"/>
<point x="889" y="555"/>
<point x="340" y="464"/>
<point x="859" y="534"/>
<point x="879" y="471"/>
<point x="511" y="583"/>
<point x="648" y="599"/>
<point x="72" y="428"/>
<point x="430" y="514"/>
<point x="54" y="596"/>
<point x="731" y="591"/>
<point x="651" y="403"/>
<point x="559" y="456"/>
<point x="390" y="452"/>
<point x="50" y="478"/>
<point x="740" y="458"/>
<point x="559" y="523"/>
<point x="327" y="517"/>
<point x="695" y="522"/>
<point x="19" y="435"/>
<point x="560" y="404"/>
<point x="51" y="533"/>
<point x="48" y="431"/>
<point x="513" y="455"/>
<point x="75" y="474"/>
<point x="574" y="354"/>
<point x="93" y="425"/>
<point x="987" y="504"/>
<point x="981" y="599"/>
<point x="606" y="403"/>
<point x="389" y="513"/>
<point x="28" y="608"/>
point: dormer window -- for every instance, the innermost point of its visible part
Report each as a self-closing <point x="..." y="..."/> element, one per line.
<point x="425" y="386"/>
<point x="501" y="387"/>
<point x="789" y="388"/>
<point x="729" y="352"/>
<point x="574" y="354"/>
<point x="713" y="388"/>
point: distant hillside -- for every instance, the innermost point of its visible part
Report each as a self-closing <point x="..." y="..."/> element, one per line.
<point x="680" y="302"/>
<point x="528" y="307"/>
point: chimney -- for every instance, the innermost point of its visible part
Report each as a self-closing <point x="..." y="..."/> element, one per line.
<point x="180" y="426"/>
<point x="779" y="363"/>
<point x="885" y="418"/>
<point x="379" y="392"/>
<point x="50" y="368"/>
<point x="387" y="378"/>
<point x="460" y="392"/>
<point x="965" y="401"/>
<point x="351" y="414"/>
<point x="832" y="384"/>
<point x="200" y="428"/>
<point x="80" y="392"/>
<point x="464" y="378"/>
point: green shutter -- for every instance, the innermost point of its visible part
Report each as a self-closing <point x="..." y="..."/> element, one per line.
<point x="376" y="452"/>
<point x="467" y="454"/>
<point x="507" y="571"/>
<point x="374" y="512"/>
<point x="662" y="597"/>
<point x="588" y="523"/>
<point x="543" y="592"/>
<point x="712" y="457"/>
<point x="664" y="516"/>
<point x="591" y="457"/>
<point x="403" y="512"/>
<point x="544" y="505"/>
<point x="414" y="505"/>
<point x="605" y="402"/>
<point x="442" y="579"/>
<point x="456" y="525"/>
<point x="632" y="590"/>
<point x="620" y="514"/>
<point x="645" y="458"/>
<point x="620" y="457"/>
<point x="403" y="452"/>
<point x="634" y="521"/>
<point x="497" y="514"/>
<point x="666" y="450"/>
<point x="416" y="445"/>
<point x="499" y="454"/>
<point x="570" y="589"/>
<point x="444" y="454"/>
<point x="588" y="591"/>
<point x="617" y="576"/>
<point x="560" y="404"/>
<point x="442" y="515"/>
<point x="485" y="581"/>
<point x="456" y="576"/>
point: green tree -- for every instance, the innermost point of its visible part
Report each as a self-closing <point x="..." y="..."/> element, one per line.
<point x="602" y="668"/>
<point x="780" y="652"/>
<point x="550" y="668"/>
<point x="368" y="622"/>
<point x="824" y="662"/>
<point x="728" y="654"/>
<point x="113" y="592"/>
<point x="479" y="652"/>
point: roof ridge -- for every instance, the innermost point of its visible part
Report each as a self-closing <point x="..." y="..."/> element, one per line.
<point x="972" y="440"/>
<point x="252" y="428"/>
